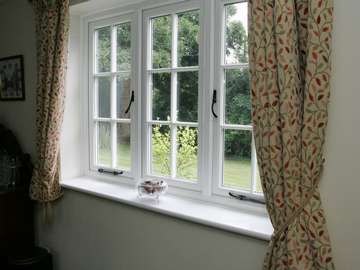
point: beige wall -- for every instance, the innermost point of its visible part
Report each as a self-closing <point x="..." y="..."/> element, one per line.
<point x="17" y="37"/>
<point x="95" y="234"/>
<point x="91" y="233"/>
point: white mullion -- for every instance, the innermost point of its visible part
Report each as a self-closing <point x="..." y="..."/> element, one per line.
<point x="113" y="49"/>
<point x="113" y="144"/>
<point x="95" y="142"/>
<point x="174" y="21"/>
<point x="173" y="133"/>
<point x="187" y="124"/>
<point x="235" y="66"/>
<point x="113" y="98"/>
<point x="178" y="69"/>
<point x="95" y="105"/>
<point x="173" y="127"/>
<point x="149" y="100"/>
<point x="123" y="121"/>
<point x="148" y="97"/>
<point x="108" y="74"/>
<point x="237" y="127"/>
<point x="159" y="122"/>
<point x="95" y="65"/>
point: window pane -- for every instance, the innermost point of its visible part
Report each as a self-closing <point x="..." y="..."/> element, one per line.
<point x="237" y="103"/>
<point x="236" y="48"/>
<point x="161" y="150"/>
<point x="187" y="96"/>
<point x="187" y="149"/>
<point x="188" y="38"/>
<point x="103" y="49"/>
<point x="123" y="95"/>
<point x="104" y="144"/>
<point x="161" y="42"/>
<point x="161" y="100"/>
<point x="104" y="93"/>
<point x="123" y="47"/>
<point x="123" y="147"/>
<point x="237" y="159"/>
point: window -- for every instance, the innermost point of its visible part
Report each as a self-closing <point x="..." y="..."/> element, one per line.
<point x="111" y="87"/>
<point x="172" y="87"/>
<point x="237" y="167"/>
<point x="186" y="53"/>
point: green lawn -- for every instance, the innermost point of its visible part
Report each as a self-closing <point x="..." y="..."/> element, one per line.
<point x="237" y="172"/>
<point x="123" y="157"/>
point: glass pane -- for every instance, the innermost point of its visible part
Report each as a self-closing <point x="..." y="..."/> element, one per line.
<point x="237" y="101"/>
<point x="187" y="149"/>
<point x="187" y="100"/>
<point x="123" y="32"/>
<point x="104" y="93"/>
<point x="104" y="144"/>
<point x="188" y="38"/>
<point x="161" y="100"/>
<point x="123" y="147"/>
<point x="236" y="21"/>
<point x="161" y="42"/>
<point x="123" y="95"/>
<point x="161" y="150"/>
<point x="237" y="159"/>
<point x="103" y="50"/>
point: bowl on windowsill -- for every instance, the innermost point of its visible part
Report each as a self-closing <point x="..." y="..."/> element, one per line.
<point x="151" y="189"/>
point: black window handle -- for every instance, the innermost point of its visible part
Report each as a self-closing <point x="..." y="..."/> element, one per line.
<point x="213" y="104"/>
<point x="132" y="99"/>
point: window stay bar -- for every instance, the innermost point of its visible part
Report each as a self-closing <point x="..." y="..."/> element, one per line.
<point x="245" y="198"/>
<point x="110" y="172"/>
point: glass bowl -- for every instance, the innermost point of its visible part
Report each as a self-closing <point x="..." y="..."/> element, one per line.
<point x="151" y="189"/>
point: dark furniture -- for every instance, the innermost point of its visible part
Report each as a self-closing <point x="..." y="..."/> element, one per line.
<point x="17" y="248"/>
<point x="16" y="222"/>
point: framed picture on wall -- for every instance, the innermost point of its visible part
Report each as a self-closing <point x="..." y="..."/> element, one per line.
<point x="12" y="84"/>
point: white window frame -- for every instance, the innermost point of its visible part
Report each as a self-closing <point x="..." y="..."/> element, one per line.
<point x="93" y="120"/>
<point x="209" y="172"/>
<point x="221" y="126"/>
<point x="171" y="10"/>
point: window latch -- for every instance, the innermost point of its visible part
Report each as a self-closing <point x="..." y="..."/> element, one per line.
<point x="132" y="99"/>
<point x="213" y="104"/>
<point x="110" y="172"/>
<point x="245" y="198"/>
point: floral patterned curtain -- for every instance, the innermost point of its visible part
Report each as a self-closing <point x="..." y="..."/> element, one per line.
<point x="52" y="27"/>
<point x="290" y="47"/>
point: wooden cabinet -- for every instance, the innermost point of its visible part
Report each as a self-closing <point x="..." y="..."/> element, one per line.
<point x="16" y="222"/>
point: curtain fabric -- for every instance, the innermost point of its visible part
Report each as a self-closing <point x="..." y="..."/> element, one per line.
<point x="52" y="28"/>
<point x="290" y="47"/>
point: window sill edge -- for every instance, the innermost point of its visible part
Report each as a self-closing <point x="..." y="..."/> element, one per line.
<point x="197" y="211"/>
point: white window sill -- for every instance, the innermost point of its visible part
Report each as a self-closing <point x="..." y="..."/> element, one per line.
<point x="210" y="214"/>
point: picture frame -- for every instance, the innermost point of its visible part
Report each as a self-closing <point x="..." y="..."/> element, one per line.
<point x="12" y="81"/>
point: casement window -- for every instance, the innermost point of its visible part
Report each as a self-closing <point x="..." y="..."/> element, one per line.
<point x="193" y="55"/>
<point x="237" y="167"/>
<point x="171" y="83"/>
<point x="111" y="85"/>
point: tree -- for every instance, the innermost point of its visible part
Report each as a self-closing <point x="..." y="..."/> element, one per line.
<point x="186" y="155"/>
